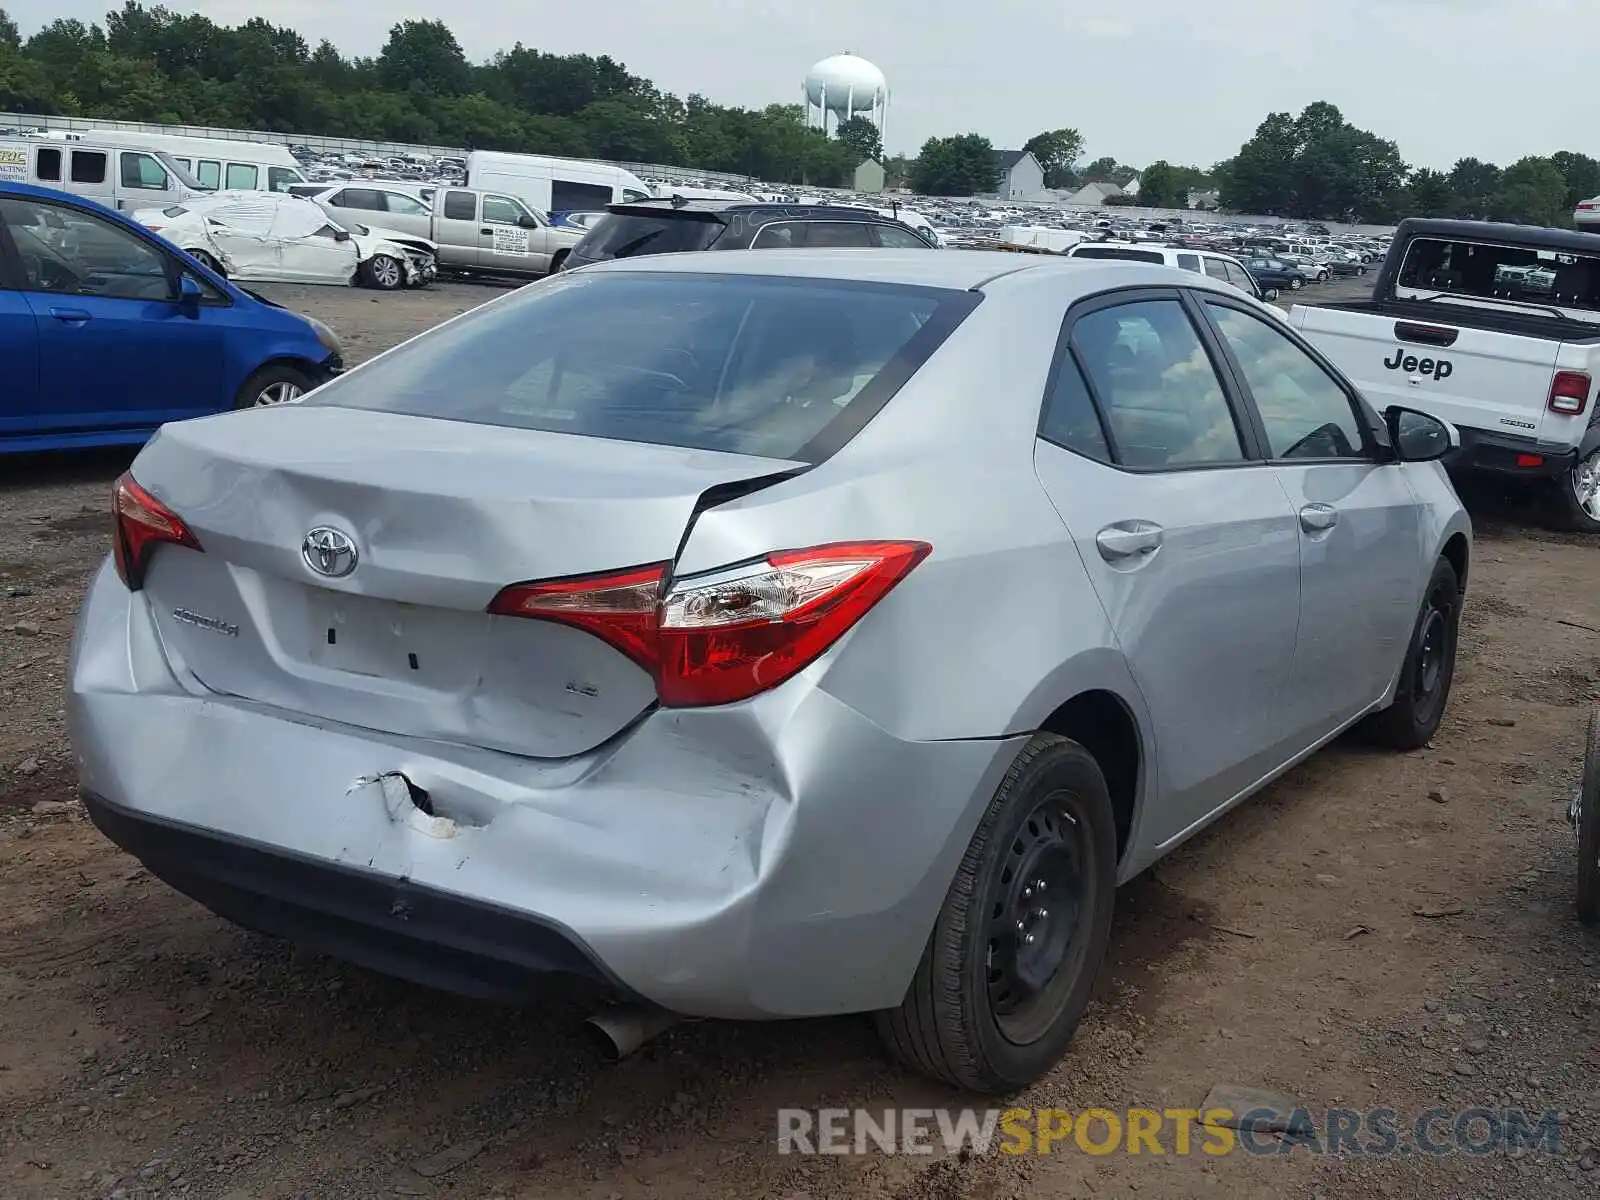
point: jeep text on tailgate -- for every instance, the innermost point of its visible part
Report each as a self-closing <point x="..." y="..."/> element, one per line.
<point x="1495" y="328"/>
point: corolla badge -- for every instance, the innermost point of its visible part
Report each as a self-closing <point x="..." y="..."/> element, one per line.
<point x="329" y="552"/>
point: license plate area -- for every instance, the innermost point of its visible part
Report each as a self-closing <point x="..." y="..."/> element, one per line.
<point x="385" y="639"/>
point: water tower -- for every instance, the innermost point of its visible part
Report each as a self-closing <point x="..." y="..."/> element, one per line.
<point x="846" y="86"/>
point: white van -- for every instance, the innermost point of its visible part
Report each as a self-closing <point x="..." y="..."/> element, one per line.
<point x="114" y="174"/>
<point x="218" y="163"/>
<point x="554" y="185"/>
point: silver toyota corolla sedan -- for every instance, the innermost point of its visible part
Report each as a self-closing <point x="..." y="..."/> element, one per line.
<point x="768" y="635"/>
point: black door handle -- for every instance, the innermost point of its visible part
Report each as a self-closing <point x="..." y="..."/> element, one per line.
<point x="490" y="232"/>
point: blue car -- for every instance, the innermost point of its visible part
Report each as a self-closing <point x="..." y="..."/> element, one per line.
<point x="107" y="332"/>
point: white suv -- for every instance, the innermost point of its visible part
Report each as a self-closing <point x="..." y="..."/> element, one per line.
<point x="1202" y="262"/>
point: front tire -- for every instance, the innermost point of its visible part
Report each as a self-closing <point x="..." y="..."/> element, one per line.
<point x="208" y="261"/>
<point x="1296" y="283"/>
<point x="273" y="384"/>
<point x="558" y="262"/>
<point x="384" y="272"/>
<point x="1589" y="827"/>
<point x="1413" y="717"/>
<point x="1573" y="499"/>
<point x="1014" y="953"/>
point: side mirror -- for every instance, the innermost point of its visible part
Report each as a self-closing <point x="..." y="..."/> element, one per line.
<point x="528" y="221"/>
<point x="1417" y="437"/>
<point x="190" y="293"/>
<point x="341" y="235"/>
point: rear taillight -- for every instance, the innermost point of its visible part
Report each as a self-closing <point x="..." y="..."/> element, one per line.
<point x="730" y="634"/>
<point x="141" y="524"/>
<point x="1569" y="393"/>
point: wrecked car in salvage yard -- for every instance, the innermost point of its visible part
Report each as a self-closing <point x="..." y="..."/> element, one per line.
<point x="267" y="237"/>
<point x="684" y="626"/>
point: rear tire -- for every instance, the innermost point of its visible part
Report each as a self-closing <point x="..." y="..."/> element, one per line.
<point x="1572" y="500"/>
<point x="1423" y="693"/>
<point x="273" y="384"/>
<point x="1589" y="827"/>
<point x="384" y="272"/>
<point x="1003" y="983"/>
<point x="207" y="261"/>
<point x="1296" y="283"/>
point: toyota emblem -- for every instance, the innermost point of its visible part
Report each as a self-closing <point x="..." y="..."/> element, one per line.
<point x="329" y="552"/>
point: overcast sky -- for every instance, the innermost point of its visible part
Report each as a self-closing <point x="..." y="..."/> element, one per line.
<point x="1141" y="79"/>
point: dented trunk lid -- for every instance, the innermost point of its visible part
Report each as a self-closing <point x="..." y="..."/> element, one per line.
<point x="441" y="516"/>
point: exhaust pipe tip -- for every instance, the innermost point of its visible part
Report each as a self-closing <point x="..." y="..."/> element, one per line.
<point x="623" y="1028"/>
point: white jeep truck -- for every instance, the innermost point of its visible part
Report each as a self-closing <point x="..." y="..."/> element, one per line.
<point x="1495" y="328"/>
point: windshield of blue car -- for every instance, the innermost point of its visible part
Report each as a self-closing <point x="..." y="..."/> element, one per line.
<point x="1513" y="273"/>
<point x="745" y="364"/>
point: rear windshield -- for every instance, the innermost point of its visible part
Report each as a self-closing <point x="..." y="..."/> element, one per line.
<point x="1555" y="278"/>
<point x="1123" y="252"/>
<point x="626" y="235"/>
<point x="776" y="367"/>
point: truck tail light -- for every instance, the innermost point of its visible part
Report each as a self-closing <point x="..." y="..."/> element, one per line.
<point x="142" y="524"/>
<point x="1569" y="393"/>
<point x="725" y="635"/>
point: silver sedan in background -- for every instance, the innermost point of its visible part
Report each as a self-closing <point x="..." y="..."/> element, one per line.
<point x="769" y="635"/>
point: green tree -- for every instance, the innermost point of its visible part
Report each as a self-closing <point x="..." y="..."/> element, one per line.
<point x="1532" y="190"/>
<point x="1316" y="165"/>
<point x="1430" y="194"/>
<point x="10" y="35"/>
<point x="955" y="166"/>
<point x="1582" y="174"/>
<point x="424" y="56"/>
<point x="1161" y="187"/>
<point x="1057" y="150"/>
<point x="861" y="137"/>
<point x="1475" y="185"/>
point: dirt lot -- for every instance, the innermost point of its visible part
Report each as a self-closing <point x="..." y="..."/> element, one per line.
<point x="148" y="1049"/>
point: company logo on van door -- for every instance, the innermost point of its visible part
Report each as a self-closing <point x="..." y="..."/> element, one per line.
<point x="1435" y="368"/>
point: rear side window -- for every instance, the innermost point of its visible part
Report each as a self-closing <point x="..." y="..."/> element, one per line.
<point x="568" y="196"/>
<point x="243" y="175"/>
<point x="88" y="166"/>
<point x="1158" y="391"/>
<point x="1216" y="269"/>
<point x="362" y="198"/>
<point x="48" y="165"/>
<point x="1126" y="253"/>
<point x="1189" y="262"/>
<point x="626" y="235"/>
<point x="775" y="367"/>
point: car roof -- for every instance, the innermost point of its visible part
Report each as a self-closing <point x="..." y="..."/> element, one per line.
<point x="702" y="205"/>
<point x="958" y="270"/>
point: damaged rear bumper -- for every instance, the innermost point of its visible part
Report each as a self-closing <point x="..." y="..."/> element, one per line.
<point x="781" y="857"/>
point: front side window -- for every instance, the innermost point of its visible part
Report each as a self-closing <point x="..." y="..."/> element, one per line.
<point x="88" y="166"/>
<point x="142" y="171"/>
<point x="408" y="206"/>
<point x="209" y="173"/>
<point x="893" y="237"/>
<point x="363" y="198"/>
<point x="281" y="179"/>
<point x="1164" y="405"/>
<point x="1306" y="414"/>
<point x="1216" y="269"/>
<point x="502" y="210"/>
<point x="1240" y="278"/>
<point x="748" y="365"/>
<point x="69" y="252"/>
<point x="460" y="206"/>
<point x="243" y="175"/>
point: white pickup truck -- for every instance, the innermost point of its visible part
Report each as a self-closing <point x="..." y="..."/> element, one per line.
<point x="1495" y="328"/>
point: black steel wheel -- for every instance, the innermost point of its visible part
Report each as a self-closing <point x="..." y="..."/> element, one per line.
<point x="1587" y="818"/>
<point x="1424" y="689"/>
<point x="1016" y="947"/>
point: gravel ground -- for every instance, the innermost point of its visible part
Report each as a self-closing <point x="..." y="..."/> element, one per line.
<point x="1373" y="930"/>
